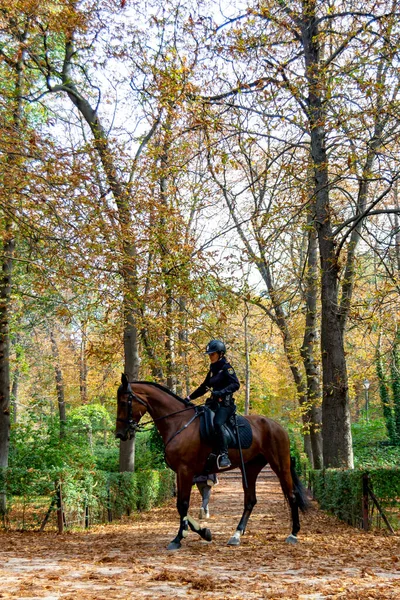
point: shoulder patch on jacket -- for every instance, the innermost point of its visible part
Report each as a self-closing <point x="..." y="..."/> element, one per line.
<point x="231" y="371"/>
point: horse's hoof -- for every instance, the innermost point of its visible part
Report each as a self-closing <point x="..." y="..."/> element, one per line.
<point x="174" y="546"/>
<point x="291" y="539"/>
<point x="234" y="541"/>
<point x="206" y="534"/>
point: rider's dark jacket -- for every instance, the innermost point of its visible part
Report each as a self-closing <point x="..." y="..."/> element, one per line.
<point x="220" y="378"/>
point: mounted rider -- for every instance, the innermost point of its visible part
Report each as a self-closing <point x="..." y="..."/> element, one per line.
<point x="223" y="382"/>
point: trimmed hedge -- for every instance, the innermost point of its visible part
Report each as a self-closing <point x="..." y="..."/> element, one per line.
<point x="97" y="493"/>
<point x="340" y="491"/>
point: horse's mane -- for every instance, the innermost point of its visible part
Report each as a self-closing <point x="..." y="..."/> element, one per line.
<point x="166" y="390"/>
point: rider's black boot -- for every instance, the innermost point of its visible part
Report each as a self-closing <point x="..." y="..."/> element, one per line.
<point x="223" y="459"/>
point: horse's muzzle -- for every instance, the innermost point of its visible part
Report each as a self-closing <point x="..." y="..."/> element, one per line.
<point x="121" y="436"/>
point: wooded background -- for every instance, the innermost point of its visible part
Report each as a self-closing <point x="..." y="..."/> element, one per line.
<point x="171" y="174"/>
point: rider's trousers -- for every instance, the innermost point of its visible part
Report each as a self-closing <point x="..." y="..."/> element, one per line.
<point x="221" y="416"/>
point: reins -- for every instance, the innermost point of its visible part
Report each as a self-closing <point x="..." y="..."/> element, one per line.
<point x="141" y="427"/>
<point x="196" y="414"/>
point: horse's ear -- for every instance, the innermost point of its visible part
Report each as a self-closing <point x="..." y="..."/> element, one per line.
<point x="124" y="380"/>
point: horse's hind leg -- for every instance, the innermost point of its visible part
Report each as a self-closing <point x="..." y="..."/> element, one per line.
<point x="250" y="500"/>
<point x="285" y="478"/>
<point x="184" y="486"/>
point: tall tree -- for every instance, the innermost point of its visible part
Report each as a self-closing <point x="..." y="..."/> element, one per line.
<point x="298" y="60"/>
<point x="13" y="63"/>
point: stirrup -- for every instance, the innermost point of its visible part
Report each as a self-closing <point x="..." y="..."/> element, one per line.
<point x="221" y="458"/>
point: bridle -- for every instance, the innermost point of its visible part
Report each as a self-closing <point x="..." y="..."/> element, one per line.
<point x="133" y="426"/>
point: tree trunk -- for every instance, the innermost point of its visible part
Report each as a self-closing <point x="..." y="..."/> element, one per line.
<point x="184" y="387"/>
<point x="154" y="362"/>
<point x="166" y="257"/>
<point x="83" y="366"/>
<point x="5" y="309"/>
<point x="9" y="184"/>
<point x="59" y="384"/>
<point x="170" y="345"/>
<point x="384" y="395"/>
<point x="397" y="226"/>
<point x="153" y="359"/>
<point x="308" y="348"/>
<point x="15" y="378"/>
<point x="336" y="428"/>
<point x="395" y="379"/>
<point x="14" y="394"/>
<point x="127" y="455"/>
<point x="247" y="363"/>
<point x="131" y="369"/>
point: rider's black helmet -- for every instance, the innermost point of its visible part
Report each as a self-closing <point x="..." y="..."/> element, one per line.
<point x="215" y="346"/>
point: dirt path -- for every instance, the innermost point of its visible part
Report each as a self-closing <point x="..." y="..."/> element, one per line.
<point x="129" y="560"/>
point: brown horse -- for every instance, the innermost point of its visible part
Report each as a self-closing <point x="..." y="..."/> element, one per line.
<point x="178" y="423"/>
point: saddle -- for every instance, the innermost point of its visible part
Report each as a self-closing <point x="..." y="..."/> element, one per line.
<point x="207" y="433"/>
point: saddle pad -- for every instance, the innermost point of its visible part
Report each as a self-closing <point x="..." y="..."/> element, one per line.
<point x="245" y="432"/>
<point x="207" y="429"/>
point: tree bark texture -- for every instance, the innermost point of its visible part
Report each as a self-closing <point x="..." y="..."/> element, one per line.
<point x="59" y="383"/>
<point x="247" y="363"/>
<point x="8" y="248"/>
<point x="397" y="227"/>
<point x="83" y="366"/>
<point x="14" y="394"/>
<point x="184" y="386"/>
<point x="336" y="429"/>
<point x="308" y="348"/>
<point x="5" y="309"/>
<point x="165" y="252"/>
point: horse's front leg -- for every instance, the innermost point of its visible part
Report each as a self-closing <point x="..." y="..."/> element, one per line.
<point x="250" y="500"/>
<point x="184" y="485"/>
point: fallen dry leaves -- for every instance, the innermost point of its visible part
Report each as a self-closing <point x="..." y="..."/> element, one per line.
<point x="128" y="559"/>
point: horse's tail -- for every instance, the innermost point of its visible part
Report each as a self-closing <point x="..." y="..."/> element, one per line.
<point x="303" y="501"/>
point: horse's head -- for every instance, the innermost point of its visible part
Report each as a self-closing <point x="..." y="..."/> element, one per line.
<point x="130" y="409"/>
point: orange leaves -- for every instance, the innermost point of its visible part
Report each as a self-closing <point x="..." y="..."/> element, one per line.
<point x="129" y="560"/>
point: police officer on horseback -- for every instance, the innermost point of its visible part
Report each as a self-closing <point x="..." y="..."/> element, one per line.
<point x="223" y="382"/>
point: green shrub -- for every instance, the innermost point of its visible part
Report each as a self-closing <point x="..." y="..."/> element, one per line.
<point x="122" y="492"/>
<point x="99" y="491"/>
<point x="340" y="491"/>
<point x="154" y="487"/>
<point x="302" y="464"/>
<point x="84" y="465"/>
<point x="385" y="484"/>
<point x="149" y="452"/>
<point x="106" y="458"/>
<point x="378" y="456"/>
<point x="368" y="433"/>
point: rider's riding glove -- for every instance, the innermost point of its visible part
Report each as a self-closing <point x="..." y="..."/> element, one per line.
<point x="226" y="400"/>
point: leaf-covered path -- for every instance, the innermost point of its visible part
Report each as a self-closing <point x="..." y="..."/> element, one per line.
<point x="129" y="560"/>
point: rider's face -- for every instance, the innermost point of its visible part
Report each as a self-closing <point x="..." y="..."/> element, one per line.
<point x="214" y="356"/>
